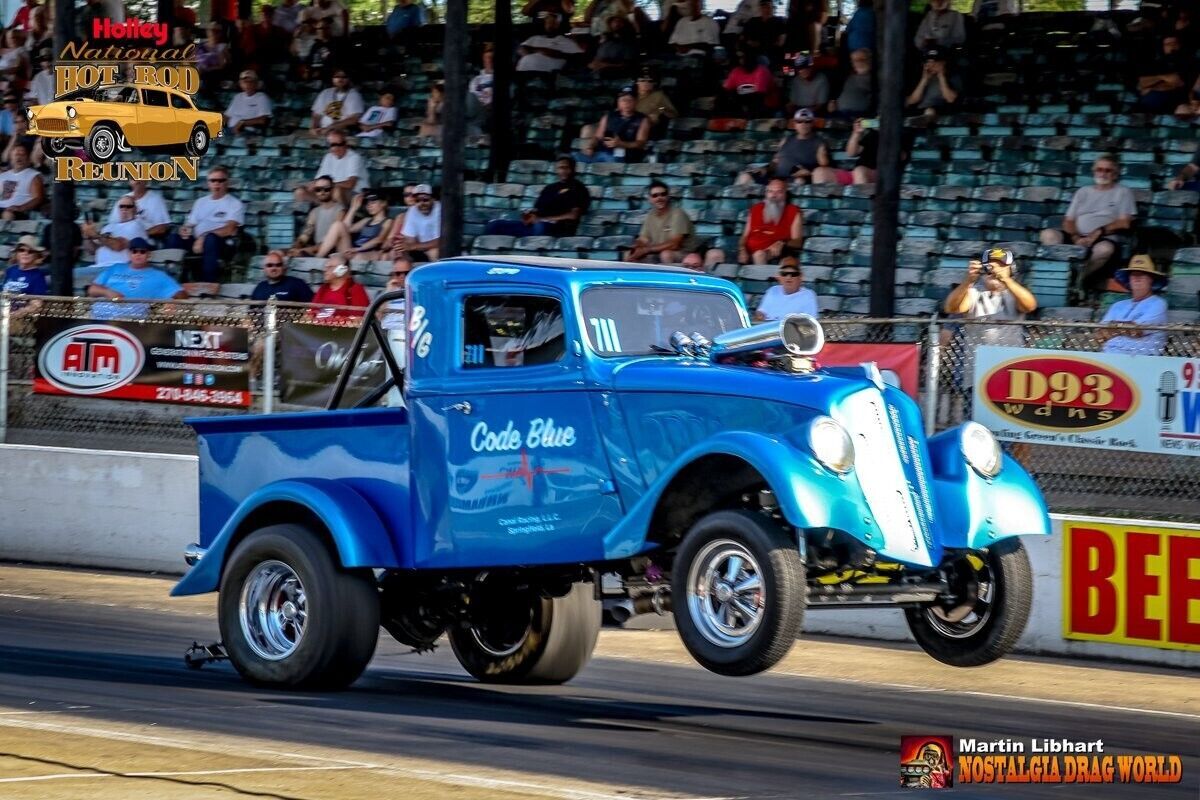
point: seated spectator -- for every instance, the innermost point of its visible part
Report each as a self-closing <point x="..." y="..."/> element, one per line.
<point x="321" y="217"/>
<point x="362" y="238"/>
<point x="774" y="227"/>
<point x="431" y="124"/>
<point x="344" y="166"/>
<point x="304" y="40"/>
<point x="750" y="88"/>
<point x="395" y="244"/>
<point x="1187" y="177"/>
<point x="941" y="27"/>
<point x="1160" y="85"/>
<point x="863" y="145"/>
<point x="212" y="226"/>
<point x="250" y="110"/>
<point x="764" y="34"/>
<point x="405" y="17"/>
<point x="622" y="135"/>
<point x="22" y="138"/>
<point x="112" y="241"/>
<point x="695" y="33"/>
<point x="339" y="289"/>
<point x="1143" y="307"/>
<point x="617" y="51"/>
<point x="860" y="30"/>
<point x="135" y="280"/>
<point x="332" y="13"/>
<point x="540" y="9"/>
<point x="655" y="104"/>
<point x="41" y="88"/>
<point x="337" y="107"/>
<point x="857" y="98"/>
<point x="21" y="187"/>
<point x="1099" y="218"/>
<point x="479" y="91"/>
<point x="809" y="88"/>
<point x="1190" y="107"/>
<point x="557" y="210"/>
<point x="151" y="210"/>
<point x="788" y="295"/>
<point x="262" y="43"/>
<point x="393" y="320"/>
<point x="746" y="10"/>
<point x="1000" y="297"/>
<point x="547" y="51"/>
<point x="212" y="55"/>
<point x="9" y="114"/>
<point x="278" y="284"/>
<point x="14" y="61"/>
<point x="421" y="232"/>
<point x="380" y="118"/>
<point x="667" y="233"/>
<point x="802" y="157"/>
<point x="693" y="261"/>
<point x="324" y="52"/>
<point x="937" y="89"/>
<point x="25" y="276"/>
<point x="287" y="15"/>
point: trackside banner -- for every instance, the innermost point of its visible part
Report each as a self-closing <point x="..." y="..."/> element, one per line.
<point x="1146" y="404"/>
<point x="313" y="356"/>
<point x="203" y="365"/>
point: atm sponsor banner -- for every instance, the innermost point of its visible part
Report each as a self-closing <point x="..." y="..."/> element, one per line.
<point x="313" y="355"/>
<point x="900" y="363"/>
<point x="1147" y="404"/>
<point x="189" y="364"/>
<point x="1131" y="582"/>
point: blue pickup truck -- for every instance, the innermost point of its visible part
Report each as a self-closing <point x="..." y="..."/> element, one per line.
<point x="550" y="421"/>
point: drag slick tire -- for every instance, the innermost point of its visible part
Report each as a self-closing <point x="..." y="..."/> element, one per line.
<point x="291" y="616"/>
<point x="738" y="592"/>
<point x="994" y="592"/>
<point x="518" y="636"/>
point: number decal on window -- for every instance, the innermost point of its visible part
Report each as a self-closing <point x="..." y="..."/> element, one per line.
<point x="605" y="329"/>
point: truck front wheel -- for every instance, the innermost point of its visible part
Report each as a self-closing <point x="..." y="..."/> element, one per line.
<point x="522" y="637"/>
<point x="738" y="592"/>
<point x="291" y="617"/>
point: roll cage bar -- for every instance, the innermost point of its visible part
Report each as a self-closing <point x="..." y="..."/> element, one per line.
<point x="395" y="377"/>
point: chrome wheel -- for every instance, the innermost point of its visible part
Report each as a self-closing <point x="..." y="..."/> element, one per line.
<point x="975" y="589"/>
<point x="104" y="144"/>
<point x="726" y="597"/>
<point x="502" y="634"/>
<point x="200" y="139"/>
<point x="273" y="610"/>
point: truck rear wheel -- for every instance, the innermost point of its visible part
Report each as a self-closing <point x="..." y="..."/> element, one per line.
<point x="994" y="592"/>
<point x="523" y="637"/>
<point x="738" y="592"/>
<point x="291" y="617"/>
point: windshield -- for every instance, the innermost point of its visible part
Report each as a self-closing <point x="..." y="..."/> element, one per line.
<point x="115" y="94"/>
<point x="636" y="321"/>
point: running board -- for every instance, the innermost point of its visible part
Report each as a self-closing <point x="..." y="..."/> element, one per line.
<point x="843" y="595"/>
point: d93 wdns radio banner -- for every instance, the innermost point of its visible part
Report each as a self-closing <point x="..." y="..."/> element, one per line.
<point x="1148" y="404"/>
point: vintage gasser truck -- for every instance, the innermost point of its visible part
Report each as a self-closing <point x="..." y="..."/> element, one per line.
<point x="556" y="420"/>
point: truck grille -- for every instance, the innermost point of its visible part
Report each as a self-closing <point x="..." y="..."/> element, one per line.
<point x="888" y="461"/>
<point x="52" y="125"/>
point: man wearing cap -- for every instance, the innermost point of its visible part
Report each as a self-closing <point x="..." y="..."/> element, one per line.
<point x="802" y="157"/>
<point x="112" y="241"/>
<point x="135" y="280"/>
<point x="789" y="295"/>
<point x="937" y="88"/>
<point x="655" y="104"/>
<point x="773" y="226"/>
<point x="557" y="210"/>
<point x="941" y="27"/>
<point x="622" y="134"/>
<point x="990" y="291"/>
<point x="249" y="111"/>
<point x="1143" y="307"/>
<point x="810" y="87"/>
<point x="421" y="233"/>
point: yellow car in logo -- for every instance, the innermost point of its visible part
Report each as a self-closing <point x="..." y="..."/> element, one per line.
<point x="109" y="119"/>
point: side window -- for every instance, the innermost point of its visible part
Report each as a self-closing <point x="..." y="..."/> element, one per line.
<point x="156" y="98"/>
<point x="179" y="101"/>
<point x="512" y="331"/>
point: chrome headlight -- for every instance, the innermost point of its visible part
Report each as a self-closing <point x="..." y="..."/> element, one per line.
<point x="981" y="450"/>
<point x="71" y="112"/>
<point x="29" y="113"/>
<point x="831" y="444"/>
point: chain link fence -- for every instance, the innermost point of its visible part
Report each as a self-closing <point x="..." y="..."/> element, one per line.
<point x="291" y="355"/>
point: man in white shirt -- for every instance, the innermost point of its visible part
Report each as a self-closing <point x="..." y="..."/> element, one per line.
<point x="41" y="88"/>
<point x="941" y="27"/>
<point x="334" y="12"/>
<point x="151" y="210"/>
<point x="696" y="33"/>
<point x="337" y="107"/>
<point x="789" y="296"/>
<point x="21" y="186"/>
<point x="547" y="51"/>
<point x="112" y="241"/>
<point x="250" y="110"/>
<point x="421" y="234"/>
<point x="212" y="226"/>
<point x="1143" y="307"/>
<point x="344" y="166"/>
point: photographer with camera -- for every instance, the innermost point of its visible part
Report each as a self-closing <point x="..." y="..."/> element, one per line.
<point x="990" y="292"/>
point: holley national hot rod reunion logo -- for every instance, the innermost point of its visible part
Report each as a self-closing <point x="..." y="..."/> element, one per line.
<point x="124" y="90"/>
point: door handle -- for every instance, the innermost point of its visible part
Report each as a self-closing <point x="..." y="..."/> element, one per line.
<point x="464" y="407"/>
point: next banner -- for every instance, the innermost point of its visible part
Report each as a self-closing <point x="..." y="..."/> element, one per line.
<point x="1146" y="404"/>
<point x="1133" y="583"/>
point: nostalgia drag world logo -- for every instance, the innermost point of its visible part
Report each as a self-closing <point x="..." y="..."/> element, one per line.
<point x="121" y="91"/>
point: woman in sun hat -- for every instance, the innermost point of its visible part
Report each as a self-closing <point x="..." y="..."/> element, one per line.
<point x="1143" y="307"/>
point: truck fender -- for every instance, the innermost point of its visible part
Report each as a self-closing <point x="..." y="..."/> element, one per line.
<point x="977" y="511"/>
<point x="809" y="495"/>
<point x="358" y="534"/>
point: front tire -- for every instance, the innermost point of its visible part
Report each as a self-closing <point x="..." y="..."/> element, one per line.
<point x="198" y="141"/>
<point x="56" y="145"/>
<point x="738" y="592"/>
<point x="521" y="637"/>
<point x="102" y="143"/>
<point x="994" y="591"/>
<point x="291" y="617"/>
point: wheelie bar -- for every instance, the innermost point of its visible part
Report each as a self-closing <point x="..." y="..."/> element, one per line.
<point x="198" y="655"/>
<point x="851" y="596"/>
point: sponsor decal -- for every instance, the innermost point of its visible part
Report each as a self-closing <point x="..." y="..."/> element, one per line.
<point x="312" y="357"/>
<point x="1060" y="392"/>
<point x="419" y="334"/>
<point x="526" y="472"/>
<point x="542" y="433"/>
<point x="926" y="762"/>
<point x="91" y="359"/>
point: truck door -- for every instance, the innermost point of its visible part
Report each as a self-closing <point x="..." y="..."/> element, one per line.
<point x="526" y="480"/>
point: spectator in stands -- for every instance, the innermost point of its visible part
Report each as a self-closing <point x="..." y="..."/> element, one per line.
<point x="396" y="243"/>
<point x="421" y="232"/>
<point x="860" y="31"/>
<point x="802" y="157"/>
<point x="380" y="118"/>
<point x="278" y="284"/>
<point x="557" y="210"/>
<point x="21" y="18"/>
<point x="337" y="107"/>
<point x="1161" y="87"/>
<point x="263" y="43"/>
<point x="622" y="135"/>
<point x="991" y="291"/>
<point x="617" y="51"/>
<point x="304" y="40"/>
<point x="942" y="27"/>
<point x="666" y="234"/>
<point x="746" y="10"/>
<point x="339" y="289"/>
<point x="540" y="9"/>
<point x="750" y="88"/>
<point x="1142" y="307"/>
<point x="479" y="91"/>
<point x="25" y="276"/>
<point x="547" y="51"/>
<point x="344" y="166"/>
<point x="151" y="209"/>
<point x="250" y="110"/>
<point x="324" y="52"/>
<point x="287" y="15"/>
<point x="1099" y="218"/>
<point x="213" y="225"/>
<point x="21" y="137"/>
<point x="14" y="61"/>
<point x="406" y="16"/>
<point x="9" y="114"/>
<point x="212" y="55"/>
<point x="857" y="98"/>
<point x="431" y="124"/>
<point x="764" y="34"/>
<point x="788" y="295"/>
<point x="360" y="238"/>
<point x="863" y="145"/>
<point x="937" y="89"/>
<point x="111" y="242"/>
<point x="21" y="186"/>
<point x="655" y="104"/>
<point x="809" y="87"/>
<point x="774" y="227"/>
<point x="332" y="13"/>
<point x="695" y="33"/>
<point x="135" y="280"/>
<point x="1187" y="177"/>
<point x="41" y="88"/>
<point x="693" y="261"/>
<point x="321" y="217"/>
